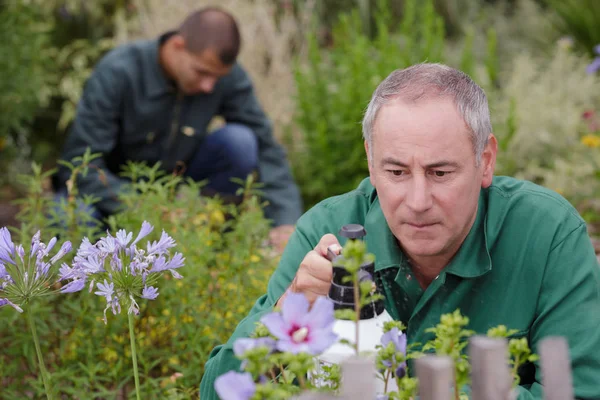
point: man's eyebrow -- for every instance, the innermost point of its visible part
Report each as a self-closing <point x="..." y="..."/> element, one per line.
<point x="437" y="164"/>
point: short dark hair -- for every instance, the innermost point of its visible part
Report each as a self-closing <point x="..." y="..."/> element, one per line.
<point x="212" y="28"/>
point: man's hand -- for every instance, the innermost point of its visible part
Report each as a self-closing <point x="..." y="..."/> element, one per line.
<point x="313" y="278"/>
<point x="280" y="235"/>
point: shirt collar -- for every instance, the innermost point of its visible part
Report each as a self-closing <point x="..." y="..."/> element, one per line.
<point x="155" y="78"/>
<point x="471" y="260"/>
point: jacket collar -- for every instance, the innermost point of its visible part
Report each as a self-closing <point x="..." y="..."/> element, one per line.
<point x="154" y="76"/>
<point x="472" y="259"/>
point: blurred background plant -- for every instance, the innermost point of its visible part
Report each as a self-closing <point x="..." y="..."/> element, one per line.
<point x="314" y="65"/>
<point x="227" y="266"/>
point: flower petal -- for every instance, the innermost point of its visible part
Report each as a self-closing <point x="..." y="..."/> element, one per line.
<point x="276" y="325"/>
<point x="242" y="345"/>
<point x="594" y="66"/>
<point x="294" y="308"/>
<point x="4" y="302"/>
<point x="321" y="315"/>
<point x="289" y="346"/>
<point x="144" y="231"/>
<point x="320" y="340"/>
<point x="73" y="286"/>
<point x="235" y="386"/>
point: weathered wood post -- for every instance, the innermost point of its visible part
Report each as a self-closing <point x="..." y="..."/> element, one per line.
<point x="358" y="378"/>
<point x="435" y="377"/>
<point x="490" y="374"/>
<point x="555" y="362"/>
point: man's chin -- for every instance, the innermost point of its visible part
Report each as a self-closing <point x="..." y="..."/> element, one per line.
<point x="421" y="247"/>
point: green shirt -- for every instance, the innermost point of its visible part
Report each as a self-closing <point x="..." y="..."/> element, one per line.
<point x="527" y="263"/>
<point x="130" y="111"/>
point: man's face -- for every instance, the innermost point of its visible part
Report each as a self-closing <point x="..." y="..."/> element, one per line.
<point x="423" y="167"/>
<point x="198" y="73"/>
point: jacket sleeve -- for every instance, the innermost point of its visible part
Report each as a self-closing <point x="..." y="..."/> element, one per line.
<point x="222" y="359"/>
<point x="240" y="105"/>
<point x="96" y="126"/>
<point x="569" y="306"/>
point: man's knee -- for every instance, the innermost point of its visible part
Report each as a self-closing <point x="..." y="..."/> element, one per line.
<point x="240" y="146"/>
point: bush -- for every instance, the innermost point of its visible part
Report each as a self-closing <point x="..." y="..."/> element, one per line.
<point x="226" y="268"/>
<point x="539" y="120"/>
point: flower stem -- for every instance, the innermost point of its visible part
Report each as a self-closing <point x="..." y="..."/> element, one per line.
<point x="134" y="357"/>
<point x="357" y="310"/>
<point x="38" y="350"/>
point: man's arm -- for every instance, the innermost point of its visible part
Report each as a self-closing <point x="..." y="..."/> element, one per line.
<point x="241" y="105"/>
<point x="96" y="126"/>
<point x="569" y="306"/>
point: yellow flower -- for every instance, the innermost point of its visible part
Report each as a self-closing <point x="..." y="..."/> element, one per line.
<point x="592" y="141"/>
<point x="254" y="258"/>
<point x="110" y="355"/>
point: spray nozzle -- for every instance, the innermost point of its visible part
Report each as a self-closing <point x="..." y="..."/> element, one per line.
<point x="341" y="291"/>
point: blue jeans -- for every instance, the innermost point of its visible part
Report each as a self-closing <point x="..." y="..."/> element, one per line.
<point x="229" y="152"/>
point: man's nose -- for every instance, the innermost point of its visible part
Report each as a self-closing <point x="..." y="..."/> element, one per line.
<point x="419" y="198"/>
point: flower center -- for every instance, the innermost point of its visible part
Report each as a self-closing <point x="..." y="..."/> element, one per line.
<point x="300" y="334"/>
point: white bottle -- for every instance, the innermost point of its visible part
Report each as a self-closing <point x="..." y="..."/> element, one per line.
<point x="370" y="325"/>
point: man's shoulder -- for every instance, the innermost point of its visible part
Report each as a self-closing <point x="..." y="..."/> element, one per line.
<point x="529" y="207"/>
<point x="351" y="206"/>
<point x="125" y="57"/>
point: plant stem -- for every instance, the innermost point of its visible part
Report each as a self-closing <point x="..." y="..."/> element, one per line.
<point x="357" y="310"/>
<point x="515" y="371"/>
<point x="456" y="392"/>
<point x="38" y="350"/>
<point x="387" y="378"/>
<point x="134" y="357"/>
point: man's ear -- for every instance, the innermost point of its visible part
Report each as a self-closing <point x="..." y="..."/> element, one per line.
<point x="178" y="41"/>
<point x="488" y="161"/>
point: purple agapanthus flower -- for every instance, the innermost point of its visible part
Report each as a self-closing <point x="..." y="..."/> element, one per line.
<point x="24" y="285"/>
<point x="300" y="330"/>
<point x="113" y="257"/>
<point x="398" y="338"/>
<point x="235" y="386"/>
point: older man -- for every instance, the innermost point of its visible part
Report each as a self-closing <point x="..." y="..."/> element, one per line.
<point x="447" y="234"/>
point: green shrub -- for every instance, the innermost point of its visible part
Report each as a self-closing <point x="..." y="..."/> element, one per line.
<point x="24" y="39"/>
<point x="227" y="265"/>
<point x="539" y="120"/>
<point x="578" y="19"/>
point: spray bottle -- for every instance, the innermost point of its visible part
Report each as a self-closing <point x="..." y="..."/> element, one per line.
<point x="372" y="316"/>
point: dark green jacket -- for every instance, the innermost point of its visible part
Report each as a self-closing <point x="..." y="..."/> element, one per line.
<point x="130" y="111"/>
<point x="527" y="263"/>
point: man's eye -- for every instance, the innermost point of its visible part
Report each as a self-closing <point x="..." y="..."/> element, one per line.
<point x="396" y="172"/>
<point x="441" y="174"/>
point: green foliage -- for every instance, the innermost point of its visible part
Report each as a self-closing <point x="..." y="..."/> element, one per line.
<point x="579" y="19"/>
<point x="337" y="83"/>
<point x="226" y="268"/>
<point x="540" y="120"/>
<point x="518" y="350"/>
<point x="450" y="341"/>
<point x="23" y="49"/>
